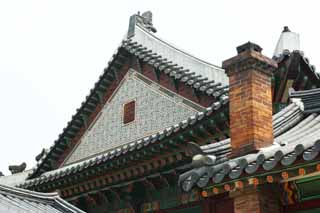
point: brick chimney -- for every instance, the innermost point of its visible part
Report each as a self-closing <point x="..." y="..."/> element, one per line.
<point x="250" y="99"/>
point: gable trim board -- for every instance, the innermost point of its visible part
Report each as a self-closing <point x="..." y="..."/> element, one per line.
<point x="295" y="70"/>
<point x="156" y="109"/>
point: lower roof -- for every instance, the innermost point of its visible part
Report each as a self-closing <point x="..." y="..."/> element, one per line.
<point x="13" y="200"/>
<point x="296" y="135"/>
<point x="14" y="179"/>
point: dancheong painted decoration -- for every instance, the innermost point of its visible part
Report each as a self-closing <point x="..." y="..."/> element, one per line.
<point x="164" y="131"/>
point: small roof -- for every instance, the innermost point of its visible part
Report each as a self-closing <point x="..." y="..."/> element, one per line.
<point x="14" y="200"/>
<point x="296" y="134"/>
<point x="288" y="41"/>
<point x="14" y="179"/>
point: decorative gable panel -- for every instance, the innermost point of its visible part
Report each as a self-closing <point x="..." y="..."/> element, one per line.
<point x="138" y="108"/>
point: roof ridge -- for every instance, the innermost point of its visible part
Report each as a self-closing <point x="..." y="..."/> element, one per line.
<point x="20" y="191"/>
<point x="178" y="48"/>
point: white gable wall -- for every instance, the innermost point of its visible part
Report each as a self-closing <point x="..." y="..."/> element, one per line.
<point x="154" y="111"/>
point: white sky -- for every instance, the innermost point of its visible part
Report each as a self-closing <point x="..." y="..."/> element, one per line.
<point x="53" y="51"/>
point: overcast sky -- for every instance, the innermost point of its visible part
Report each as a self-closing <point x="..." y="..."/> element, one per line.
<point x="52" y="52"/>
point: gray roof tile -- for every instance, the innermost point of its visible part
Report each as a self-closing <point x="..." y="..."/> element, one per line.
<point x="296" y="132"/>
<point x="309" y="98"/>
<point x="13" y="200"/>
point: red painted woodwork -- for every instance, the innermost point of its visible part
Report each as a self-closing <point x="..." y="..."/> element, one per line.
<point x="183" y="90"/>
<point x="310" y="204"/>
<point x="129" y="110"/>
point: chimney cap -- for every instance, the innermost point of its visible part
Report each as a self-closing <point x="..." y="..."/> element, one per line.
<point x="249" y="46"/>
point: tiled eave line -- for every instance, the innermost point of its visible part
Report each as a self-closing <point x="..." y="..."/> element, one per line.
<point x="175" y="71"/>
<point x="278" y="175"/>
<point x="248" y="166"/>
<point x="126" y="149"/>
<point x="300" y="139"/>
<point x="78" y="121"/>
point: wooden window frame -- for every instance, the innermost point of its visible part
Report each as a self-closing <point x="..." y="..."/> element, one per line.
<point x="129" y="112"/>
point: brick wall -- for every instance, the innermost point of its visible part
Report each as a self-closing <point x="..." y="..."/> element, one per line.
<point x="262" y="200"/>
<point x="251" y="110"/>
<point x="250" y="101"/>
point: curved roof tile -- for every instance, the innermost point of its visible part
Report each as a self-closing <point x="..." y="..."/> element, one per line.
<point x="20" y="200"/>
<point x="296" y="131"/>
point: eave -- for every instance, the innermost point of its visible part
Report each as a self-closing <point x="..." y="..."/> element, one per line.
<point x="124" y="164"/>
<point x="295" y="152"/>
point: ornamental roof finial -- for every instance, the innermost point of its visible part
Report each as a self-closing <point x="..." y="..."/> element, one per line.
<point x="146" y="21"/>
<point x="288" y="42"/>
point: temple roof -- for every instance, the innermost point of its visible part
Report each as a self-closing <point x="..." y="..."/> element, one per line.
<point x="296" y="134"/>
<point x="13" y="200"/>
<point x="203" y="77"/>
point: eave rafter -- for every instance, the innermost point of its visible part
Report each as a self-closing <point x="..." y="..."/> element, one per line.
<point x="168" y="152"/>
<point x="91" y="180"/>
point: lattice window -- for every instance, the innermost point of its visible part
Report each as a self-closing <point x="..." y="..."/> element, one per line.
<point x="129" y="112"/>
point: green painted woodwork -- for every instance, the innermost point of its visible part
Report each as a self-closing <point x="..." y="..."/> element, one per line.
<point x="317" y="210"/>
<point x="157" y="72"/>
<point x="100" y="96"/>
<point x="176" y="84"/>
<point x="193" y="209"/>
<point x="308" y="188"/>
<point x="273" y="173"/>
